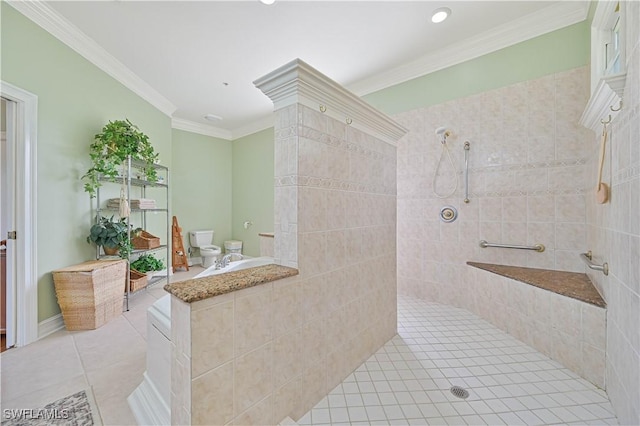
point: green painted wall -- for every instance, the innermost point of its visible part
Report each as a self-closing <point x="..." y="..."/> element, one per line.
<point x="227" y="182"/>
<point x="253" y="158"/>
<point x="75" y="99"/>
<point x="201" y="184"/>
<point x="557" y="51"/>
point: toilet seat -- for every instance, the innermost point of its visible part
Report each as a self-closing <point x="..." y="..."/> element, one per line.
<point x="210" y="250"/>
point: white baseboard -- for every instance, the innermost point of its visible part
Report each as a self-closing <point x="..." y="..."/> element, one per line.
<point x="50" y="325"/>
<point x="147" y="405"/>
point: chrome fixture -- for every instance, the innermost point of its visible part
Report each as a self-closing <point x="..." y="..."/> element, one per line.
<point x="467" y="147"/>
<point x="448" y="214"/>
<point x="443" y="133"/>
<point x="588" y="259"/>
<point x="226" y="259"/>
<point x="538" y="247"/>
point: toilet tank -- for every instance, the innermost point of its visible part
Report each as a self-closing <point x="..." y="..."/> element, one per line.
<point x="201" y="238"/>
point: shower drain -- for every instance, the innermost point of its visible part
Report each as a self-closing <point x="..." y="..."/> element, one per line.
<point x="459" y="392"/>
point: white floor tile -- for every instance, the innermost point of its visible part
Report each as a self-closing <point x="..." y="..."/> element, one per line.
<point x="439" y="346"/>
<point x="321" y="416"/>
<point x="406" y="382"/>
<point x="339" y="415"/>
<point x="376" y="413"/>
<point x="357" y="414"/>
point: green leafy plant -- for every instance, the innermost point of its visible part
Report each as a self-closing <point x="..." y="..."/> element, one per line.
<point x="110" y="149"/>
<point x="146" y="263"/>
<point x="111" y="234"/>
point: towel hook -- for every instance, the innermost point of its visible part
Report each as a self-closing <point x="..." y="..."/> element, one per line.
<point x="616" y="109"/>
<point x="606" y="122"/>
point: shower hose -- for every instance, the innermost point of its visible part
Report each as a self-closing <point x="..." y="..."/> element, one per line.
<point x="445" y="148"/>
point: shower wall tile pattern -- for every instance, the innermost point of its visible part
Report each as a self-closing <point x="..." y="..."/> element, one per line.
<point x="335" y="220"/>
<point x="527" y="183"/>
<point x="613" y="233"/>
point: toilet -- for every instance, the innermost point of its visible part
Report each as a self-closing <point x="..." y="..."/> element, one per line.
<point x="202" y="240"/>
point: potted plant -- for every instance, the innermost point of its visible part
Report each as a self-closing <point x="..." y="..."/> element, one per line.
<point x="110" y="149"/>
<point x="112" y="235"/>
<point x="147" y="263"/>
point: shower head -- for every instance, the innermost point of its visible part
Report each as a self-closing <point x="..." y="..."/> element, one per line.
<point x="443" y="133"/>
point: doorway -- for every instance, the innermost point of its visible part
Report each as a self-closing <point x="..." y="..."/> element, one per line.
<point x="18" y="214"/>
<point x="7" y="251"/>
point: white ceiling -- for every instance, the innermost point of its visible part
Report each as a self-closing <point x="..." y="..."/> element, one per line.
<point x="182" y="53"/>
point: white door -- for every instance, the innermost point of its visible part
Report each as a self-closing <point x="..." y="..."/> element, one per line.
<point x="22" y="131"/>
<point x="7" y="214"/>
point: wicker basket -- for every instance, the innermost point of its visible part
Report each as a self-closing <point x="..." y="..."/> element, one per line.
<point x="145" y="240"/>
<point x="90" y="294"/>
<point x="137" y="280"/>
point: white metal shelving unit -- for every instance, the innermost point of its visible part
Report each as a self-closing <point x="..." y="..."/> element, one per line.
<point x="132" y="172"/>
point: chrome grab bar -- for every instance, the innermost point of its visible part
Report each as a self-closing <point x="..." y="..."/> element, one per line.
<point x="538" y="247"/>
<point x="467" y="147"/>
<point x="588" y="259"/>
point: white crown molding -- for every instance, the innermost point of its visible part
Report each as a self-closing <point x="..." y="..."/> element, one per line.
<point x="254" y="127"/>
<point x="554" y="17"/>
<point x="298" y="83"/>
<point x="199" y="128"/>
<point x="59" y="27"/>
<point x="604" y="10"/>
<point x="604" y="102"/>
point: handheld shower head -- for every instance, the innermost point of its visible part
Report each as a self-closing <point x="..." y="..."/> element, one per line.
<point x="443" y="133"/>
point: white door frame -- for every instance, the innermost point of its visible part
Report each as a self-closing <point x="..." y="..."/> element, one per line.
<point x="26" y="271"/>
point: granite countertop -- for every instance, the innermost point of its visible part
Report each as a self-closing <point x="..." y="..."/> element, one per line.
<point x="571" y="284"/>
<point x="214" y="285"/>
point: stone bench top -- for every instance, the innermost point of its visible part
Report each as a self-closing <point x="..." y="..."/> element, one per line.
<point x="214" y="285"/>
<point x="570" y="284"/>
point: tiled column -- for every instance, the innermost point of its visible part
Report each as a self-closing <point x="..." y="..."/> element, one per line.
<point x="335" y="214"/>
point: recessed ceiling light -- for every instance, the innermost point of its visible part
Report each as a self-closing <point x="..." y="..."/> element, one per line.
<point x="440" y="15"/>
<point x="212" y="117"/>
<point x="267" y="1"/>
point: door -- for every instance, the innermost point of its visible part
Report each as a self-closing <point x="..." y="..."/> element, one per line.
<point x="7" y="219"/>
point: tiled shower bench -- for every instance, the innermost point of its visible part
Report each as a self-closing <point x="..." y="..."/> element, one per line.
<point x="560" y="314"/>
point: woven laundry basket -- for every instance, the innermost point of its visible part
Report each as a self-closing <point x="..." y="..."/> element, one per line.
<point x="90" y="294"/>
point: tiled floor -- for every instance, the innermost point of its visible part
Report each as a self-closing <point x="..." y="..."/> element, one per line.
<point x="405" y="382"/>
<point x="408" y="380"/>
<point x="107" y="363"/>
